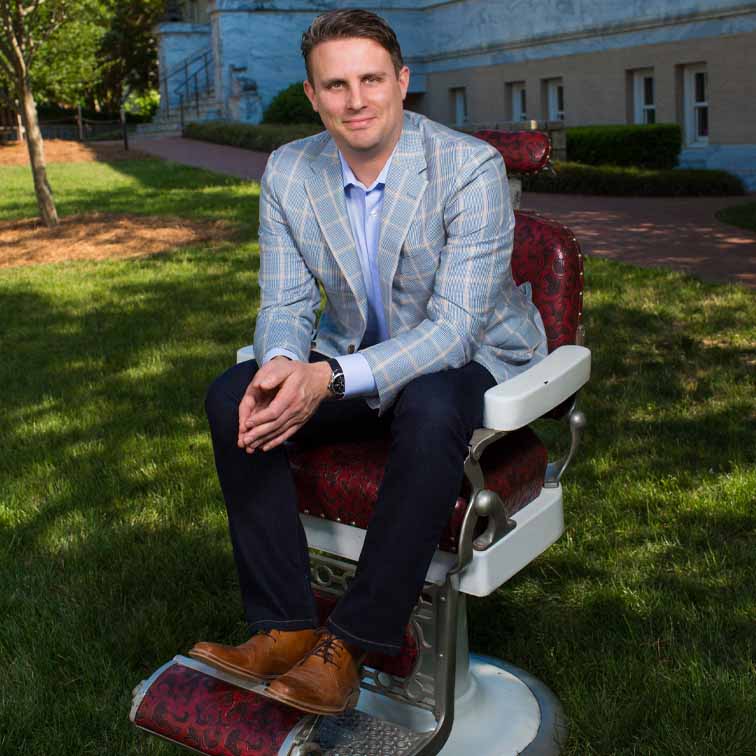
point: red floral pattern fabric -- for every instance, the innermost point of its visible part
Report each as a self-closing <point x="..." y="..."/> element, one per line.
<point x="340" y="481"/>
<point x="213" y="716"/>
<point x="523" y="151"/>
<point x="547" y="255"/>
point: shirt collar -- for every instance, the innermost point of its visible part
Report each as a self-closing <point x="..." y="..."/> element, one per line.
<point x="351" y="180"/>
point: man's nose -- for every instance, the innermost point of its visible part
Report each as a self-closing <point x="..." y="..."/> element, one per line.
<point x="354" y="101"/>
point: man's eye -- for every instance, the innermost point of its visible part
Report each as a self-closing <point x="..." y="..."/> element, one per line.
<point x="335" y="85"/>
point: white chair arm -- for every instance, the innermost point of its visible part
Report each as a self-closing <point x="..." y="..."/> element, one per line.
<point x="245" y="353"/>
<point x="519" y="401"/>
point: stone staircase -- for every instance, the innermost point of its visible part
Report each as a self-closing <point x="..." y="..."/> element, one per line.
<point x="194" y="72"/>
<point x="168" y="123"/>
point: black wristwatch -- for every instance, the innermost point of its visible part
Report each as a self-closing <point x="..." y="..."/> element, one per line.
<point x="336" y="385"/>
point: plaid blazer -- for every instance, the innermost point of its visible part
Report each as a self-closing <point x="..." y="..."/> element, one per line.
<point x="444" y="255"/>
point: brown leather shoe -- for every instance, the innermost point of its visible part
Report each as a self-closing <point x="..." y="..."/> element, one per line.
<point x="327" y="681"/>
<point x="263" y="657"/>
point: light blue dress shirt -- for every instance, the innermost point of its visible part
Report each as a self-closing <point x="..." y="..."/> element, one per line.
<point x="364" y="206"/>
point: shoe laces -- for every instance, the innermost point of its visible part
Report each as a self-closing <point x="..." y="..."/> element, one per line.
<point x="326" y="648"/>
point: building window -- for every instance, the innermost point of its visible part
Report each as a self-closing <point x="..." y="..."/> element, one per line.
<point x="644" y="96"/>
<point x="696" y="100"/>
<point x="519" y="101"/>
<point x="555" y="99"/>
<point x="459" y="105"/>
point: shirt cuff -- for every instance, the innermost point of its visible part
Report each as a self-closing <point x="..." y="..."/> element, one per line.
<point x="358" y="377"/>
<point x="277" y="352"/>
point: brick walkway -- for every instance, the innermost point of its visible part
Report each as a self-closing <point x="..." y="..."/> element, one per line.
<point x="673" y="232"/>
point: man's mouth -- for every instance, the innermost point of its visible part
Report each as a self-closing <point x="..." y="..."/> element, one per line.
<point x="358" y="123"/>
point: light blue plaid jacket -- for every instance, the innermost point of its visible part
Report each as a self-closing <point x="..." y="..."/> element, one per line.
<point x="444" y="257"/>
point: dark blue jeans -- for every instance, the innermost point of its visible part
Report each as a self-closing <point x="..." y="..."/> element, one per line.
<point x="430" y="426"/>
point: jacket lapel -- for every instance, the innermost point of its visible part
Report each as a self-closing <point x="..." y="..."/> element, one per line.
<point x="405" y="186"/>
<point x="325" y="189"/>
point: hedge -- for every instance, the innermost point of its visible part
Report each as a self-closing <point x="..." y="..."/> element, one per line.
<point x="575" y="178"/>
<point x="264" y="137"/>
<point x="291" y="105"/>
<point x="652" y="146"/>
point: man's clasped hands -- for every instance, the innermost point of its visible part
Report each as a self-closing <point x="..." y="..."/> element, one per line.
<point x="281" y="398"/>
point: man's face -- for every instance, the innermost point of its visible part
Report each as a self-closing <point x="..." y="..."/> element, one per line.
<point x="358" y="94"/>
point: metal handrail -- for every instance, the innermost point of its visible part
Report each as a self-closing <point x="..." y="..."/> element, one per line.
<point x="190" y="84"/>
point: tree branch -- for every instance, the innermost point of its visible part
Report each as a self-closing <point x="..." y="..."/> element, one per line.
<point x="5" y="65"/>
<point x="31" y="9"/>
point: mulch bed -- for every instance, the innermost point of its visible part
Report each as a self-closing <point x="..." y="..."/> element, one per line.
<point x="100" y="236"/>
<point x="63" y="151"/>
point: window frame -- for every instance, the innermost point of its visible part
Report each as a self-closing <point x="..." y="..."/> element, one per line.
<point x="519" y="99"/>
<point x="692" y="106"/>
<point x="455" y="93"/>
<point x="641" y="108"/>
<point x="555" y="113"/>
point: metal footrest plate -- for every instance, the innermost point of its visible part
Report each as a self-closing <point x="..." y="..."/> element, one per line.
<point x="358" y="734"/>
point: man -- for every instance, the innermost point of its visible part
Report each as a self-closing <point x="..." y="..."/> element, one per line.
<point x="408" y="228"/>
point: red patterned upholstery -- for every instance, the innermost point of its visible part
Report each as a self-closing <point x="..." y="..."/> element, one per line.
<point x="340" y="481"/>
<point x="212" y="716"/>
<point x="523" y="151"/>
<point x="400" y="665"/>
<point x="548" y="256"/>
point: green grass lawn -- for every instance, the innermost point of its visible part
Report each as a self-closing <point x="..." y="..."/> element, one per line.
<point x="114" y="553"/>
<point x="743" y="216"/>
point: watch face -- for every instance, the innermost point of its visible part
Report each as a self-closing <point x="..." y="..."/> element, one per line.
<point x="339" y="385"/>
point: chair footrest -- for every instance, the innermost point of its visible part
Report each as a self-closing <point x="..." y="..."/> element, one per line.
<point x="186" y="703"/>
<point x="211" y="712"/>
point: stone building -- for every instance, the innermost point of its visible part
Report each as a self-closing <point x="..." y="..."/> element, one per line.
<point x="692" y="62"/>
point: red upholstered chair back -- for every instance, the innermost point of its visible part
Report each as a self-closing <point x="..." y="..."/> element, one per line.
<point x="545" y="253"/>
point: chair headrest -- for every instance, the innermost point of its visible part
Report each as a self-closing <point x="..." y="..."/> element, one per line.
<point x="523" y="151"/>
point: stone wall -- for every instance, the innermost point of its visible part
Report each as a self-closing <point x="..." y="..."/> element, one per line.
<point x="178" y="43"/>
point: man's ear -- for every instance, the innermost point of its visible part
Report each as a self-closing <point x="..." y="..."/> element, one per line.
<point x="310" y="92"/>
<point x="404" y="77"/>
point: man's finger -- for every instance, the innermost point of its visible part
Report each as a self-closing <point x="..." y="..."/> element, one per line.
<point x="273" y="443"/>
<point x="262" y="432"/>
<point x="246" y="407"/>
<point x="280" y="403"/>
<point x="271" y="433"/>
<point x="272" y="374"/>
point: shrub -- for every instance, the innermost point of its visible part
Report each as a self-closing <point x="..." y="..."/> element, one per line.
<point x="143" y="105"/>
<point x="264" y="137"/>
<point x="575" y="178"/>
<point x="652" y="146"/>
<point x="291" y="106"/>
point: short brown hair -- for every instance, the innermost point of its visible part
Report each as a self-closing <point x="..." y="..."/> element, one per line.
<point x="348" y="23"/>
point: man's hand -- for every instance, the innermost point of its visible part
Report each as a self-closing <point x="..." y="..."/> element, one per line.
<point x="281" y="398"/>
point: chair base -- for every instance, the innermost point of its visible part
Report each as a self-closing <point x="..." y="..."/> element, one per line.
<point x="504" y="711"/>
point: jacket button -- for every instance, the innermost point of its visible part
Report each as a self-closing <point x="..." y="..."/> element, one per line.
<point x="351" y="349"/>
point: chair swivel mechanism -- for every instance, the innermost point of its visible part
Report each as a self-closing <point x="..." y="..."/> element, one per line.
<point x="435" y="697"/>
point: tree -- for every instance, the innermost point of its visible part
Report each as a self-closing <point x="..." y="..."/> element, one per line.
<point x="24" y="26"/>
<point x="128" y="50"/>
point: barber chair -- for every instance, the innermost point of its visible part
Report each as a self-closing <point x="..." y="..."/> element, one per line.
<point x="436" y="697"/>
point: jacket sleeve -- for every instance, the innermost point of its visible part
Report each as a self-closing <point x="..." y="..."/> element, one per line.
<point x="472" y="266"/>
<point x="288" y="291"/>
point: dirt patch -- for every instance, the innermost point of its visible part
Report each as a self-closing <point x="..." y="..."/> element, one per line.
<point x="100" y="236"/>
<point x="63" y="151"/>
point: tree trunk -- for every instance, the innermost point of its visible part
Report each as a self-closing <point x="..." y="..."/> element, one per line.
<point x="34" y="143"/>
